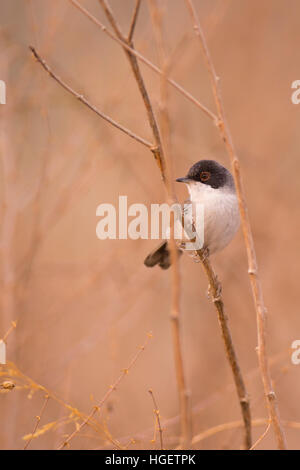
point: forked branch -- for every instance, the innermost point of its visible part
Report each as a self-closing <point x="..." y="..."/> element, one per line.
<point x="86" y="102"/>
<point x="158" y="154"/>
<point x="144" y="60"/>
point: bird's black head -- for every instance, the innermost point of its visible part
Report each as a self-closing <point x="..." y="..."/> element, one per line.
<point x="209" y="172"/>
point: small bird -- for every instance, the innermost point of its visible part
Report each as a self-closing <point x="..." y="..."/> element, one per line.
<point x="212" y="185"/>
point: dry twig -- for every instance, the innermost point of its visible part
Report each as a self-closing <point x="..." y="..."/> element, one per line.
<point x="239" y="424"/>
<point x="185" y="412"/>
<point x="86" y="102"/>
<point x="215" y="292"/>
<point x="164" y="164"/>
<point x="252" y="263"/>
<point x="38" y="419"/>
<point x="143" y="59"/>
<point x="157" y="150"/>
<point x="10" y="329"/>
<point x="133" y="55"/>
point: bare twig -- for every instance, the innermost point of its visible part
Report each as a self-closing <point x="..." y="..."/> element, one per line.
<point x="8" y="253"/>
<point x="157" y="149"/>
<point x="38" y="419"/>
<point x="70" y="193"/>
<point x="10" y="329"/>
<point x="244" y="402"/>
<point x="261" y="437"/>
<point x="215" y="292"/>
<point x="157" y="415"/>
<point x="225" y="427"/>
<point x="143" y="59"/>
<point x="252" y="263"/>
<point x="8" y="225"/>
<point x="185" y="412"/>
<point x="158" y="152"/>
<point x="239" y="424"/>
<point x="133" y="21"/>
<point x="106" y="396"/>
<point x="87" y="103"/>
<point x="185" y="415"/>
<point x="164" y="163"/>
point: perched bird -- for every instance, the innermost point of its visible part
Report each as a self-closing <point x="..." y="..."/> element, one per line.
<point x="212" y="185"/>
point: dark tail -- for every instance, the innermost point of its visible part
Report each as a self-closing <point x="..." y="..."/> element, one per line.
<point x="161" y="256"/>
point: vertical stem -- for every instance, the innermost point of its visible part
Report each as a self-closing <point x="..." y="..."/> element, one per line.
<point x="251" y="255"/>
<point x="7" y="247"/>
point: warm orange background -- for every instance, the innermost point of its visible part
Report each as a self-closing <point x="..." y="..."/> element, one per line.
<point x="83" y="305"/>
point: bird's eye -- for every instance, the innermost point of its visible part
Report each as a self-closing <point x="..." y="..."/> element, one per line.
<point x="204" y="176"/>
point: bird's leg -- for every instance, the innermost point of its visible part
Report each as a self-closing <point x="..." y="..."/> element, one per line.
<point x="205" y="253"/>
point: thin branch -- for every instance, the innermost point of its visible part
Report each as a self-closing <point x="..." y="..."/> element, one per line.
<point x="44" y="170"/>
<point x="9" y="227"/>
<point x="261" y="437"/>
<point x="251" y="255"/>
<point x="215" y="293"/>
<point x="161" y="150"/>
<point x="157" y="415"/>
<point x="10" y="329"/>
<point x="86" y="102"/>
<point x="38" y="419"/>
<point x="14" y="373"/>
<point x="211" y="400"/>
<point x="158" y="152"/>
<point x="133" y="21"/>
<point x="235" y="425"/>
<point x="143" y="59"/>
<point x="106" y="396"/>
<point x="240" y="386"/>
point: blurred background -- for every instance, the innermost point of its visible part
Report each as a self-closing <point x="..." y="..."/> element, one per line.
<point x="83" y="306"/>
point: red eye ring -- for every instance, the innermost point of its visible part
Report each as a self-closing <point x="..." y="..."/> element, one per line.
<point x="204" y="176"/>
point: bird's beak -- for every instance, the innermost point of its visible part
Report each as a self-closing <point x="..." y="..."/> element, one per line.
<point x="183" y="180"/>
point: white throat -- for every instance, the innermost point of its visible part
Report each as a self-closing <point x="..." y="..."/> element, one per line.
<point x="200" y="192"/>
